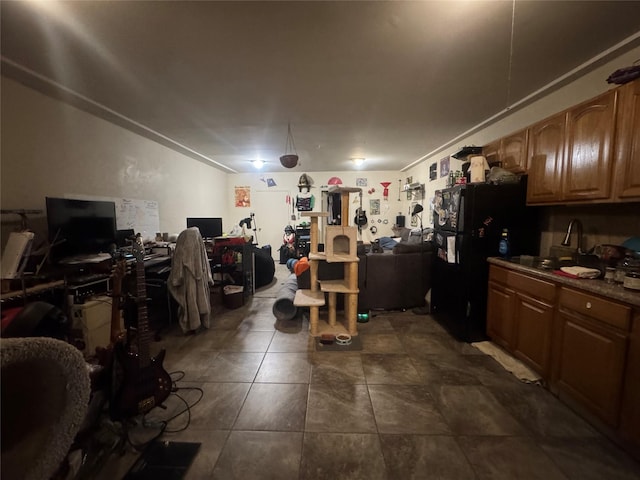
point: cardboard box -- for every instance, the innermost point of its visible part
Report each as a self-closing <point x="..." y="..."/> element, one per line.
<point x="93" y="319"/>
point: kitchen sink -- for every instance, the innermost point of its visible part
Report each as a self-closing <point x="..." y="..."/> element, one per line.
<point x="554" y="263"/>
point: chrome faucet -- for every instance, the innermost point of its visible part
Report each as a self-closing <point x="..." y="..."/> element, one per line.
<point x="567" y="239"/>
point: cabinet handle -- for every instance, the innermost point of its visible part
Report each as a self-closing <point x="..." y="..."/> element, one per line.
<point x="588" y="304"/>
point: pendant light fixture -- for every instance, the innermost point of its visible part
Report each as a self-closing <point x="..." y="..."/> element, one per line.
<point x="289" y="160"/>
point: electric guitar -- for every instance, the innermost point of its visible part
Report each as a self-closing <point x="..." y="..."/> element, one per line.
<point x="118" y="273"/>
<point x="145" y="383"/>
<point x="103" y="375"/>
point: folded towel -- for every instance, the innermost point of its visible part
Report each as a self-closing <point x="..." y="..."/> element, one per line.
<point x="564" y="274"/>
<point x="581" y="272"/>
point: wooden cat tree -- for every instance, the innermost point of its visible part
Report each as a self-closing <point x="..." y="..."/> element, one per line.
<point x="340" y="247"/>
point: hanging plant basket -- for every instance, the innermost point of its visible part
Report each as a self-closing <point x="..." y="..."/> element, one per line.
<point x="289" y="160"/>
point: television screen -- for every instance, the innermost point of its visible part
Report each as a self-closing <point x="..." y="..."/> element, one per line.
<point x="80" y="226"/>
<point x="209" y="227"/>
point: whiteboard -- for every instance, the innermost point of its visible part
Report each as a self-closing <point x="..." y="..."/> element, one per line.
<point x="141" y="215"/>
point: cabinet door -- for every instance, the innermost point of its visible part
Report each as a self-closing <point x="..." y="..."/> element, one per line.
<point x="533" y="334"/>
<point x="588" y="166"/>
<point x="630" y="417"/>
<point x="627" y="155"/>
<point x="513" y="152"/>
<point x="546" y="159"/>
<point x="500" y="314"/>
<point x="491" y="152"/>
<point x="591" y="366"/>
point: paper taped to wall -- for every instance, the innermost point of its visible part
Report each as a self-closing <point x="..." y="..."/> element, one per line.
<point x="18" y="248"/>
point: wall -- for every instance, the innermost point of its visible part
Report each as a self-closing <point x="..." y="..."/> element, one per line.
<point x="52" y="149"/>
<point x="273" y="212"/>
<point x="598" y="228"/>
<point x="602" y="224"/>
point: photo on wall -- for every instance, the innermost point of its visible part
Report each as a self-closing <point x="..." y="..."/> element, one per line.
<point x="243" y="196"/>
<point x="444" y="167"/>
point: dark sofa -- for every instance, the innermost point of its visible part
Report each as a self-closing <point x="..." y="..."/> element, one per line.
<point x="396" y="279"/>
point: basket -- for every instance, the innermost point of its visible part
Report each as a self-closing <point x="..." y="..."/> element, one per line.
<point x="289" y="160"/>
<point x="233" y="296"/>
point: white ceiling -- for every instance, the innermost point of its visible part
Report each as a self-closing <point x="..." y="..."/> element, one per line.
<point x="390" y="81"/>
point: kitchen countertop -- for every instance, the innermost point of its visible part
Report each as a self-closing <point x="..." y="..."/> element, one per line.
<point x="598" y="286"/>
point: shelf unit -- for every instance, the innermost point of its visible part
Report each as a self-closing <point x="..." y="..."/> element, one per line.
<point x="340" y="247"/>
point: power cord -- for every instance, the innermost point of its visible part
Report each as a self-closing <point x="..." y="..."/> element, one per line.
<point x="163" y="424"/>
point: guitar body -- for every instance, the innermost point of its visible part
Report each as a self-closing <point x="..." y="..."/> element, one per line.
<point x="142" y="387"/>
<point x="361" y="218"/>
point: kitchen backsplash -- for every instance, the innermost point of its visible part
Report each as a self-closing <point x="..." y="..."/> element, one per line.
<point x="602" y="224"/>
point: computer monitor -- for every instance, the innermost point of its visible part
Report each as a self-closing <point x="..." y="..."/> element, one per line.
<point x="209" y="227"/>
<point x="80" y="226"/>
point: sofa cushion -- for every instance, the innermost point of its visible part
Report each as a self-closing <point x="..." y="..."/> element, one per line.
<point x="406" y="247"/>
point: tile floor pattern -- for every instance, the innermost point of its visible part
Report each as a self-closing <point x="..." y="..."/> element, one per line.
<point x="413" y="404"/>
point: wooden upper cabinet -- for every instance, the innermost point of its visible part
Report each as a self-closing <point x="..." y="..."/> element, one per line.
<point x="491" y="152"/>
<point x="513" y="152"/>
<point x="545" y="159"/>
<point x="627" y="154"/>
<point x="589" y="155"/>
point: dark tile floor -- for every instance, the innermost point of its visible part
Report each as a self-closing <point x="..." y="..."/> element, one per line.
<point x="413" y="404"/>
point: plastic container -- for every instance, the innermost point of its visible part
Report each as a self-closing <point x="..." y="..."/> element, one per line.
<point x="504" y="247"/>
<point x="233" y="296"/>
<point x="610" y="275"/>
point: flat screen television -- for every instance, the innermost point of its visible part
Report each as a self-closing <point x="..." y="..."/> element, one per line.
<point x="78" y="227"/>
<point x="209" y="227"/>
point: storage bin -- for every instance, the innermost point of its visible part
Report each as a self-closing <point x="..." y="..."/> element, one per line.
<point x="233" y="296"/>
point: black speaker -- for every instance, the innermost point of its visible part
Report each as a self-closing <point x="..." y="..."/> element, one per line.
<point x="400" y="220"/>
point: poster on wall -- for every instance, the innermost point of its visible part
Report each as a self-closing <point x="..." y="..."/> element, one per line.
<point x="374" y="206"/>
<point x="269" y="181"/>
<point x="444" y="167"/>
<point x="243" y="196"/>
<point x="361" y="182"/>
<point x="433" y="173"/>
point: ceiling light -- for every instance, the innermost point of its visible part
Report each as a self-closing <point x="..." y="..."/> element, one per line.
<point x="357" y="161"/>
<point x="258" y="163"/>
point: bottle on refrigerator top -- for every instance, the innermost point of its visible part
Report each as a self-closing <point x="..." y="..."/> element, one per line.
<point x="504" y="247"/>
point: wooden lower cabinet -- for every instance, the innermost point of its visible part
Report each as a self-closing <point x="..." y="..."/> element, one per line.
<point x="630" y="414"/>
<point x="520" y="316"/>
<point x="500" y="315"/>
<point x="591" y="366"/>
<point x="533" y="334"/>
<point x="586" y="347"/>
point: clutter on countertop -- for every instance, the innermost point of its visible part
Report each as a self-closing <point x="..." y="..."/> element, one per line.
<point x="581" y="272"/>
<point x="598" y="286"/>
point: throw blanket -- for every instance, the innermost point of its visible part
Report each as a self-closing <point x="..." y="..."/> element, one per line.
<point x="190" y="279"/>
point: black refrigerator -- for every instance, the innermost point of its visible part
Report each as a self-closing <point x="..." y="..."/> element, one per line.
<point x="468" y="222"/>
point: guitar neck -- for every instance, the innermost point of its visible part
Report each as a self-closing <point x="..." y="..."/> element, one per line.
<point x="116" y="298"/>
<point x="144" y="336"/>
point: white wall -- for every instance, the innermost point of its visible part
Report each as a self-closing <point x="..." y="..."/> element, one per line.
<point x="584" y="88"/>
<point x="273" y="214"/>
<point x="52" y="149"/>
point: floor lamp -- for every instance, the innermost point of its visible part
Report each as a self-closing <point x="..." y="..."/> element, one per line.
<point x="418" y="210"/>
